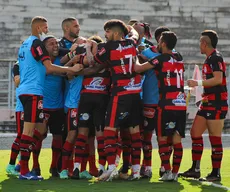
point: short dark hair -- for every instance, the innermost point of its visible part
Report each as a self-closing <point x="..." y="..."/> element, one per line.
<point x="115" y="23"/>
<point x="96" y="38"/>
<point x="169" y="38"/>
<point x="66" y="20"/>
<point x="132" y="21"/>
<point x="160" y="30"/>
<point x="47" y="38"/>
<point x="37" y="19"/>
<point x="212" y="36"/>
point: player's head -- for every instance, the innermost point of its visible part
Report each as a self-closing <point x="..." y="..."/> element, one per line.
<point x="208" y="40"/>
<point x="96" y="38"/>
<point x="51" y="45"/>
<point x="39" y="25"/>
<point x="71" y="27"/>
<point x="160" y="30"/>
<point x="115" y="30"/>
<point x="143" y="29"/>
<point x="132" y="22"/>
<point x="167" y="41"/>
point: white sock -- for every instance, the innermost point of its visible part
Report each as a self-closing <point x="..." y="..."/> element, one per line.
<point x="112" y="167"/>
<point x="101" y="167"/>
<point x="76" y="165"/>
<point x="136" y="169"/>
<point x="148" y="168"/>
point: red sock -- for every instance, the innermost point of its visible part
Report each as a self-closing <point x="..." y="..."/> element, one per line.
<point x="177" y="157"/>
<point x="217" y="151"/>
<point x="85" y="158"/>
<point x="163" y="150"/>
<point x="70" y="165"/>
<point x="92" y="163"/>
<point x="25" y="150"/>
<point x="197" y="148"/>
<point x="119" y="149"/>
<point x="126" y="146"/>
<point x="80" y="148"/>
<point x="110" y="146"/>
<point x="136" y="148"/>
<point x="66" y="153"/>
<point x="101" y="150"/>
<point x="15" y="149"/>
<point x="56" y="152"/>
<point x="36" y="153"/>
<point x="147" y="148"/>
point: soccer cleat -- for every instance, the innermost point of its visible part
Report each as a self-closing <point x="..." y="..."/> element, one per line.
<point x="64" y="174"/>
<point x="76" y="174"/>
<point x="175" y="177"/>
<point x="211" y="177"/>
<point x="147" y="174"/>
<point x="30" y="176"/>
<point x="36" y="171"/>
<point x="85" y="175"/>
<point x="161" y="171"/>
<point x="167" y="176"/>
<point x="117" y="161"/>
<point x="124" y="176"/>
<point x="54" y="172"/>
<point x="108" y="175"/>
<point x="142" y="171"/>
<point x="18" y="167"/>
<point x="191" y="173"/>
<point x="10" y="170"/>
<point x="134" y="177"/>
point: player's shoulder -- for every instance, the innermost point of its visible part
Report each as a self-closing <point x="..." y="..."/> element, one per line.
<point x="216" y="56"/>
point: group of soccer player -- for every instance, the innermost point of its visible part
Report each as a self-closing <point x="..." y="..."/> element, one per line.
<point x="118" y="91"/>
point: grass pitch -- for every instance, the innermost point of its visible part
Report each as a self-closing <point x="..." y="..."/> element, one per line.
<point x="11" y="184"/>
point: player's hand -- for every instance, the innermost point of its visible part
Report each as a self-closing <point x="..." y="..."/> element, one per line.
<point x="73" y="47"/>
<point x="89" y="43"/>
<point x="77" y="67"/>
<point x="192" y="83"/>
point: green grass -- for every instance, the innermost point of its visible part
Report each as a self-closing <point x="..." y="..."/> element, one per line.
<point x="8" y="184"/>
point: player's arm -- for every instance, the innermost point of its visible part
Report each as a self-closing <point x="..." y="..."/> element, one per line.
<point x="92" y="69"/>
<point x="217" y="68"/>
<point x="16" y="74"/>
<point x="152" y="63"/>
<point x="40" y="53"/>
<point x="91" y="50"/>
<point x="133" y="34"/>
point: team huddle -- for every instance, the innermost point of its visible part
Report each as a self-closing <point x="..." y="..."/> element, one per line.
<point x="117" y="92"/>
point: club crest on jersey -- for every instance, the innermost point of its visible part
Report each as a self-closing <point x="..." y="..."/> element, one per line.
<point x="180" y="100"/>
<point x="40" y="104"/>
<point x="96" y="84"/>
<point x="155" y="61"/>
<point x="73" y="113"/>
<point x="170" y="125"/>
<point x="131" y="86"/>
<point x="39" y="50"/>
<point x="149" y="112"/>
<point x="102" y="51"/>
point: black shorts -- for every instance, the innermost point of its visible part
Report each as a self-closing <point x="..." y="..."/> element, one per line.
<point x="150" y="120"/>
<point x="55" y="120"/>
<point x="71" y="119"/>
<point x="33" y="108"/>
<point x="92" y="109"/>
<point x="19" y="121"/>
<point x="169" y="122"/>
<point x="124" y="111"/>
<point x="214" y="114"/>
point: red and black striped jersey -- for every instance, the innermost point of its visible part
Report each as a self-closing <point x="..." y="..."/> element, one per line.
<point x="216" y="95"/>
<point x="170" y="73"/>
<point x="99" y="82"/>
<point x="119" y="56"/>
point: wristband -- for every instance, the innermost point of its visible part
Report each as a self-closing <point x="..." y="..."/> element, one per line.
<point x="81" y="59"/>
<point x="200" y="83"/>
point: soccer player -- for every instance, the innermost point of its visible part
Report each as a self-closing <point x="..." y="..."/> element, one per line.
<point x="124" y="106"/>
<point x="53" y="103"/>
<point x="19" y="124"/>
<point x="171" y="111"/>
<point x="34" y="63"/>
<point x="212" y="110"/>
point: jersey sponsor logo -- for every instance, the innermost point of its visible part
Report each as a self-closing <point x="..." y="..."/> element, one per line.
<point x="102" y="51"/>
<point x="75" y="123"/>
<point x="73" y="113"/>
<point x="170" y="125"/>
<point x="84" y="116"/>
<point x="39" y="50"/>
<point x="180" y="100"/>
<point x="96" y="84"/>
<point x="149" y="112"/>
<point x="22" y="116"/>
<point x="132" y="87"/>
<point x="40" y="104"/>
<point x="41" y="115"/>
<point x="123" y="115"/>
<point x="220" y="66"/>
<point x="155" y="61"/>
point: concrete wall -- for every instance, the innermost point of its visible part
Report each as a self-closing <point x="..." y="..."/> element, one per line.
<point x="186" y="17"/>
